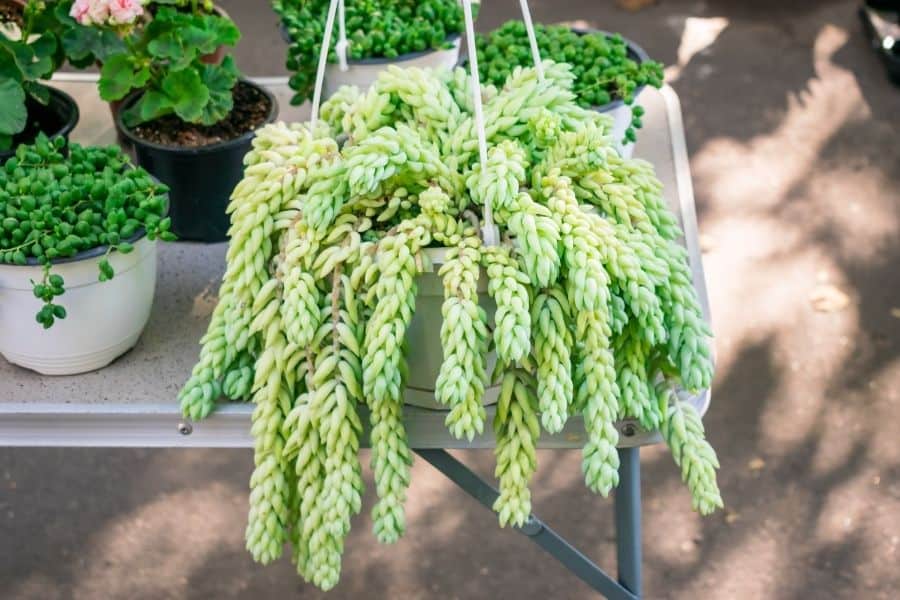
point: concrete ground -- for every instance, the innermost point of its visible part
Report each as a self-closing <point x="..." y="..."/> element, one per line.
<point x="793" y="134"/>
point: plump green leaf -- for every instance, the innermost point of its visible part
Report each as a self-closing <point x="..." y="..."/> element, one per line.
<point x="86" y="45"/>
<point x="44" y="47"/>
<point x="199" y="39"/>
<point x="187" y="93"/>
<point x="118" y="77"/>
<point x="151" y="105"/>
<point x="29" y="64"/>
<point x="219" y="79"/>
<point x="14" y="116"/>
<point x="225" y="31"/>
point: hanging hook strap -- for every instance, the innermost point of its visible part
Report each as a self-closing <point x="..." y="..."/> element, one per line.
<point x="532" y="40"/>
<point x="489" y="233"/>
<point x="341" y="47"/>
<point x="323" y="60"/>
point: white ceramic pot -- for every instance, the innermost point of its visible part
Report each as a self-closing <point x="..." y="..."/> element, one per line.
<point x="423" y="336"/>
<point x="363" y="73"/>
<point x="104" y="319"/>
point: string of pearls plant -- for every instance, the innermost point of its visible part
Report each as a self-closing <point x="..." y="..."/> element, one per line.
<point x="596" y="315"/>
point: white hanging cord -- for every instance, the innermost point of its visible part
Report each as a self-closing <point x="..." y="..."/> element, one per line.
<point x="532" y="40"/>
<point x="341" y="46"/>
<point x="489" y="233"/>
<point x="323" y="59"/>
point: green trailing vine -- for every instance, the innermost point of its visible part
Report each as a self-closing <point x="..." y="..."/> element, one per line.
<point x="595" y="314"/>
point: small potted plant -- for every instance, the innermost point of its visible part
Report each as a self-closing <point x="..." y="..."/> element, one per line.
<point x="610" y="71"/>
<point x="383" y="32"/>
<point x="30" y="53"/>
<point x="189" y="119"/>
<point x="71" y="218"/>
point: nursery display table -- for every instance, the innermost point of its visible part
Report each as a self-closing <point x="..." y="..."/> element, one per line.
<point x="132" y="402"/>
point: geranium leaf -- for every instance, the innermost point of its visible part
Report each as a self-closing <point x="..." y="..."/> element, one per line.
<point x="226" y="32"/>
<point x="151" y="105"/>
<point x="14" y="116"/>
<point x="187" y="93"/>
<point x="117" y="77"/>
<point x="220" y="80"/>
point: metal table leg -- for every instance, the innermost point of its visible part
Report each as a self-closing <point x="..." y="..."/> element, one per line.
<point x="629" y="586"/>
<point x="628" y="520"/>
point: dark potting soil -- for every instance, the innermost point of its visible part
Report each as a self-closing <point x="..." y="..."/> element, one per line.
<point x="251" y="107"/>
<point x="10" y="12"/>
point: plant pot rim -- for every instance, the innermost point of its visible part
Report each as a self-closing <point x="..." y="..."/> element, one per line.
<point x="379" y="60"/>
<point x="383" y="60"/>
<point x="70" y="121"/>
<point x="217" y="147"/>
<point x="88" y="254"/>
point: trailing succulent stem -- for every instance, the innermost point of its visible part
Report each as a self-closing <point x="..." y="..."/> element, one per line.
<point x="586" y="302"/>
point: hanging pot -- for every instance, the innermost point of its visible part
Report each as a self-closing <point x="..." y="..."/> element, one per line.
<point x="55" y="119"/>
<point x="104" y="320"/>
<point x="424" y="336"/>
<point x="364" y="72"/>
<point x="200" y="179"/>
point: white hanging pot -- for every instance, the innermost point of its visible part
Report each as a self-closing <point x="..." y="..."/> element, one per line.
<point x="423" y="337"/>
<point x="104" y="319"/>
<point x="363" y="73"/>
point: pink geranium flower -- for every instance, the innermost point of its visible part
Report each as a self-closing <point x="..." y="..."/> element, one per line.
<point x="103" y="12"/>
<point x="123" y="12"/>
<point x="81" y="12"/>
<point x="98" y="11"/>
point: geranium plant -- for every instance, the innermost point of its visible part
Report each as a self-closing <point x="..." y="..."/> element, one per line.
<point x="29" y="54"/>
<point x="162" y="54"/>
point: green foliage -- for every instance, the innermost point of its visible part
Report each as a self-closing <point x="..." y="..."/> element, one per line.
<point x="81" y="45"/>
<point x="602" y="67"/>
<point x="375" y="29"/>
<point x="28" y="55"/>
<point x="594" y="305"/>
<point x="165" y="58"/>
<point x="54" y="206"/>
<point x="31" y="51"/>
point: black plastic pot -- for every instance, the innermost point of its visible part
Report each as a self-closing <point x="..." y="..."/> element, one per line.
<point x="57" y="118"/>
<point x="885" y="46"/>
<point x="200" y="180"/>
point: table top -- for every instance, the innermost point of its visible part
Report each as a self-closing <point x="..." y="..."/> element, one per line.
<point x="132" y="402"/>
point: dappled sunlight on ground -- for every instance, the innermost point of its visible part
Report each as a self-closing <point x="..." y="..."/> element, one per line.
<point x="793" y="133"/>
